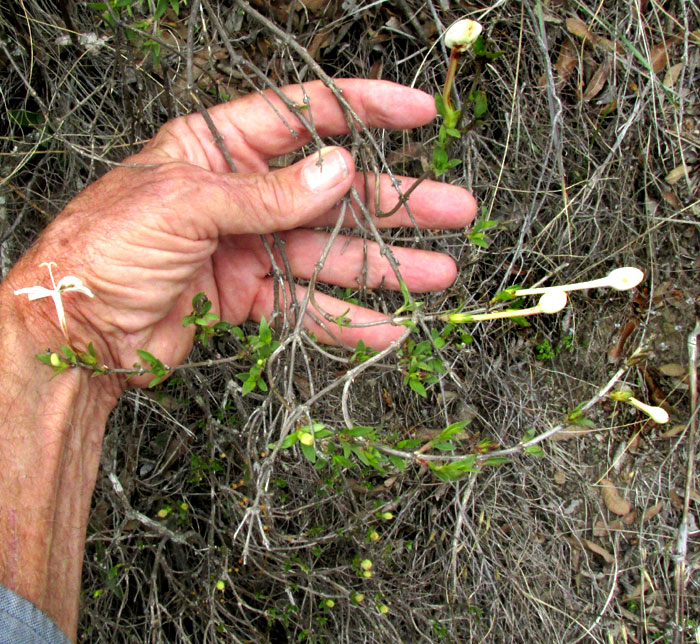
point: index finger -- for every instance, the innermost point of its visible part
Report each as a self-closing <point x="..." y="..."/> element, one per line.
<point x="253" y="131"/>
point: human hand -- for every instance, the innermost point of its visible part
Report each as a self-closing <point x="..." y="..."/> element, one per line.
<point x="174" y="221"/>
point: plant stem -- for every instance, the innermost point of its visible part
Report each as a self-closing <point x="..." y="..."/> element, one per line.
<point x="451" y="72"/>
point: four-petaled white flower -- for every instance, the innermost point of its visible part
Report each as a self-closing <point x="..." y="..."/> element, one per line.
<point x="462" y="34"/>
<point x="65" y="284"/>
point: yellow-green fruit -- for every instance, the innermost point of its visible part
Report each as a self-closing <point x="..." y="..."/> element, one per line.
<point x="383" y="609"/>
<point x="329" y="603"/>
<point x="220" y="585"/>
<point x="365" y="564"/>
<point x="366" y="574"/>
<point x="374" y="535"/>
<point x="55" y="360"/>
<point x="305" y="438"/>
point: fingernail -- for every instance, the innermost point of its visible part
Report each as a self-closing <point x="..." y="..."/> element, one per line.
<point x="324" y="170"/>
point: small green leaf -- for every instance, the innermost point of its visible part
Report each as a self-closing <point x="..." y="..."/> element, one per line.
<point x="535" y="450"/>
<point x="358" y="431"/>
<point x="161" y="7"/>
<point x="265" y="334"/>
<point x="149" y="359"/>
<point x="480" y="103"/>
<point x="409" y="444"/>
<point x="342" y="461"/>
<point x="439" y="103"/>
<point x="453" y="429"/>
<point x="495" y="460"/>
<point x="445" y="446"/>
<point x="248" y="386"/>
<point x="418" y="387"/>
<point x="309" y="452"/>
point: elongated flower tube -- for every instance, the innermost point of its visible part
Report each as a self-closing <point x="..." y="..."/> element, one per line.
<point x="621" y="279"/>
<point x="658" y="414"/>
<point x="550" y="302"/>
<point x="458" y="38"/>
<point x="65" y="284"/>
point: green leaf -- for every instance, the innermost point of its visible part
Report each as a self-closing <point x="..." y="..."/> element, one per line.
<point x="361" y="455"/>
<point x="398" y="462"/>
<point x="150" y="359"/>
<point x="480" y="103"/>
<point x="453" y="132"/>
<point x="157" y="379"/>
<point x="342" y="461"/>
<point x="445" y="446"/>
<point x="289" y="440"/>
<point x="506" y="294"/>
<point x="439" y="104"/>
<point x="265" y="334"/>
<point x="453" y="429"/>
<point x="409" y="444"/>
<point x="248" y="385"/>
<point x="161" y="8"/>
<point x="69" y="353"/>
<point x="418" y="387"/>
<point x="496" y="460"/>
<point x="479" y="46"/>
<point x="528" y="435"/>
<point x="360" y="430"/>
<point x="45" y="358"/>
<point x="535" y="450"/>
<point x="309" y="452"/>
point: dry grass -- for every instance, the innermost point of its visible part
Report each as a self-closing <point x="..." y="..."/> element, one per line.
<point x="588" y="159"/>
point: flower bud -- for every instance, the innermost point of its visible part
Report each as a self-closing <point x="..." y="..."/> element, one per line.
<point x="462" y="34"/>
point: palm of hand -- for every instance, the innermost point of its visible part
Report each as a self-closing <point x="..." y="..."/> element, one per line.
<point x="149" y="236"/>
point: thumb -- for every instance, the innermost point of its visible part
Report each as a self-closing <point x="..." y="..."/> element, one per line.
<point x="282" y="199"/>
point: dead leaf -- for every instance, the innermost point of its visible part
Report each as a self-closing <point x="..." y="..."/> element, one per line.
<point x="676" y="500"/>
<point x="672" y="369"/>
<point x="676" y="174"/>
<point x="674" y="431"/>
<point x="315" y="5"/>
<point x="658" y="56"/>
<point x="599" y="550"/>
<point x="567" y="61"/>
<point x="580" y="29"/>
<point x="671" y="199"/>
<point x="672" y="75"/>
<point x="596" y="84"/>
<point x="559" y="477"/>
<point x="652" y="511"/>
<point x="600" y="529"/>
<point x="612" y="499"/>
<point x="630" y="518"/>
<point x="609" y="45"/>
<point x="615" y="352"/>
<point x="320" y="41"/>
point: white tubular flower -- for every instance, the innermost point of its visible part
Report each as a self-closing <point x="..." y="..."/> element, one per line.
<point x="658" y="414"/>
<point x="65" y="284"/>
<point x="462" y="34"/>
<point x="621" y="279"/>
<point x="551" y="302"/>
